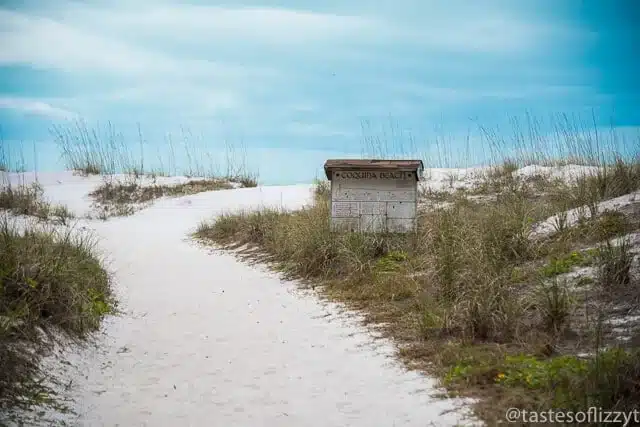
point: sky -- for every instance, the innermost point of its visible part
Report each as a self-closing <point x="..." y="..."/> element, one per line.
<point x="292" y="83"/>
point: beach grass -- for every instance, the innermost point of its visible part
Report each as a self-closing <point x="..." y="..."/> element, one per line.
<point x="101" y="149"/>
<point x="474" y="296"/>
<point x="53" y="286"/>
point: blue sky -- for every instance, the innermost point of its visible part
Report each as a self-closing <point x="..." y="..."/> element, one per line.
<point x="294" y="81"/>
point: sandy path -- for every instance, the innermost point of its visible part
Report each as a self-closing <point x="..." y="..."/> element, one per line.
<point x="209" y="341"/>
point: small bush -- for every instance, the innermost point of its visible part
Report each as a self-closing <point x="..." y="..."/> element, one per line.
<point x="246" y="181"/>
<point x="611" y="224"/>
<point x="121" y="198"/>
<point x="607" y="381"/>
<point x="322" y="190"/>
<point x="49" y="280"/>
<point x="133" y="192"/>
<point x="23" y="200"/>
<point x="611" y="180"/>
<point x="565" y="263"/>
<point x="615" y="265"/>
<point x="605" y="226"/>
<point x="28" y="200"/>
<point x="392" y="261"/>
<point x="486" y="312"/>
<point x="557" y="373"/>
<point x="89" y="169"/>
<point x="505" y="232"/>
<point x="556" y="306"/>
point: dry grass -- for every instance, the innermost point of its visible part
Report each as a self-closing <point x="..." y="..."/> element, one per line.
<point x="470" y="297"/>
<point x="115" y="198"/>
<point x="28" y="200"/>
<point x="53" y="282"/>
<point x="103" y="150"/>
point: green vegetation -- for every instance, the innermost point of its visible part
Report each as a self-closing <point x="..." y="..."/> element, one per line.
<point x="472" y="297"/>
<point x="566" y="262"/>
<point x="123" y="198"/>
<point x="568" y="382"/>
<point x="27" y="200"/>
<point x="51" y="281"/>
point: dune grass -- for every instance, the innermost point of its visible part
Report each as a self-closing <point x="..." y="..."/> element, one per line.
<point x="52" y="285"/>
<point x="103" y="150"/>
<point x="23" y="199"/>
<point x="471" y="297"/>
<point x="133" y="192"/>
<point x="118" y="198"/>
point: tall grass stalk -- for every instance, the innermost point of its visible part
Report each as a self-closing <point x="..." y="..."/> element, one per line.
<point x="102" y="150"/>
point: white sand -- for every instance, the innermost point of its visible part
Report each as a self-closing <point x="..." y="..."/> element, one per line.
<point x="448" y="179"/>
<point x="206" y="340"/>
<point x="572" y="217"/>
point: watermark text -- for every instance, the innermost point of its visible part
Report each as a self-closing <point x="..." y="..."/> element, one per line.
<point x="591" y="415"/>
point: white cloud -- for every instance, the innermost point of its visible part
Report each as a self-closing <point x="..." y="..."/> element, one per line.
<point x="34" y="106"/>
<point x="265" y="67"/>
<point x="213" y="24"/>
<point x="101" y="38"/>
<point x="46" y="43"/>
<point x="464" y="27"/>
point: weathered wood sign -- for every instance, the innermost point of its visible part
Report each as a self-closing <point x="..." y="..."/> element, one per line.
<point x="372" y="195"/>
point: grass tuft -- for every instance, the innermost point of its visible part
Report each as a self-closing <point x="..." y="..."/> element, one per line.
<point x="28" y="200"/>
<point x="104" y="150"/>
<point x="51" y="281"/>
<point x="124" y="198"/>
<point x="614" y="271"/>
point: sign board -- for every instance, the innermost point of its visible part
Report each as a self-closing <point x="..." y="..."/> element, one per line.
<point x="379" y="197"/>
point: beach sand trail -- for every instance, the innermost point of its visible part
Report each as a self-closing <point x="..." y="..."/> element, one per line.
<point x="206" y="340"/>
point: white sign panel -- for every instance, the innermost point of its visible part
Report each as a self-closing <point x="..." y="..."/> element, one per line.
<point x="342" y="209"/>
<point x="374" y="201"/>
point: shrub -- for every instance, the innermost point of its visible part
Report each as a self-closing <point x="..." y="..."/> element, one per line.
<point x="28" y="200"/>
<point x="615" y="265"/>
<point x="124" y="198"/>
<point x="49" y="280"/>
<point x="565" y="263"/>
<point x="555" y="306"/>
